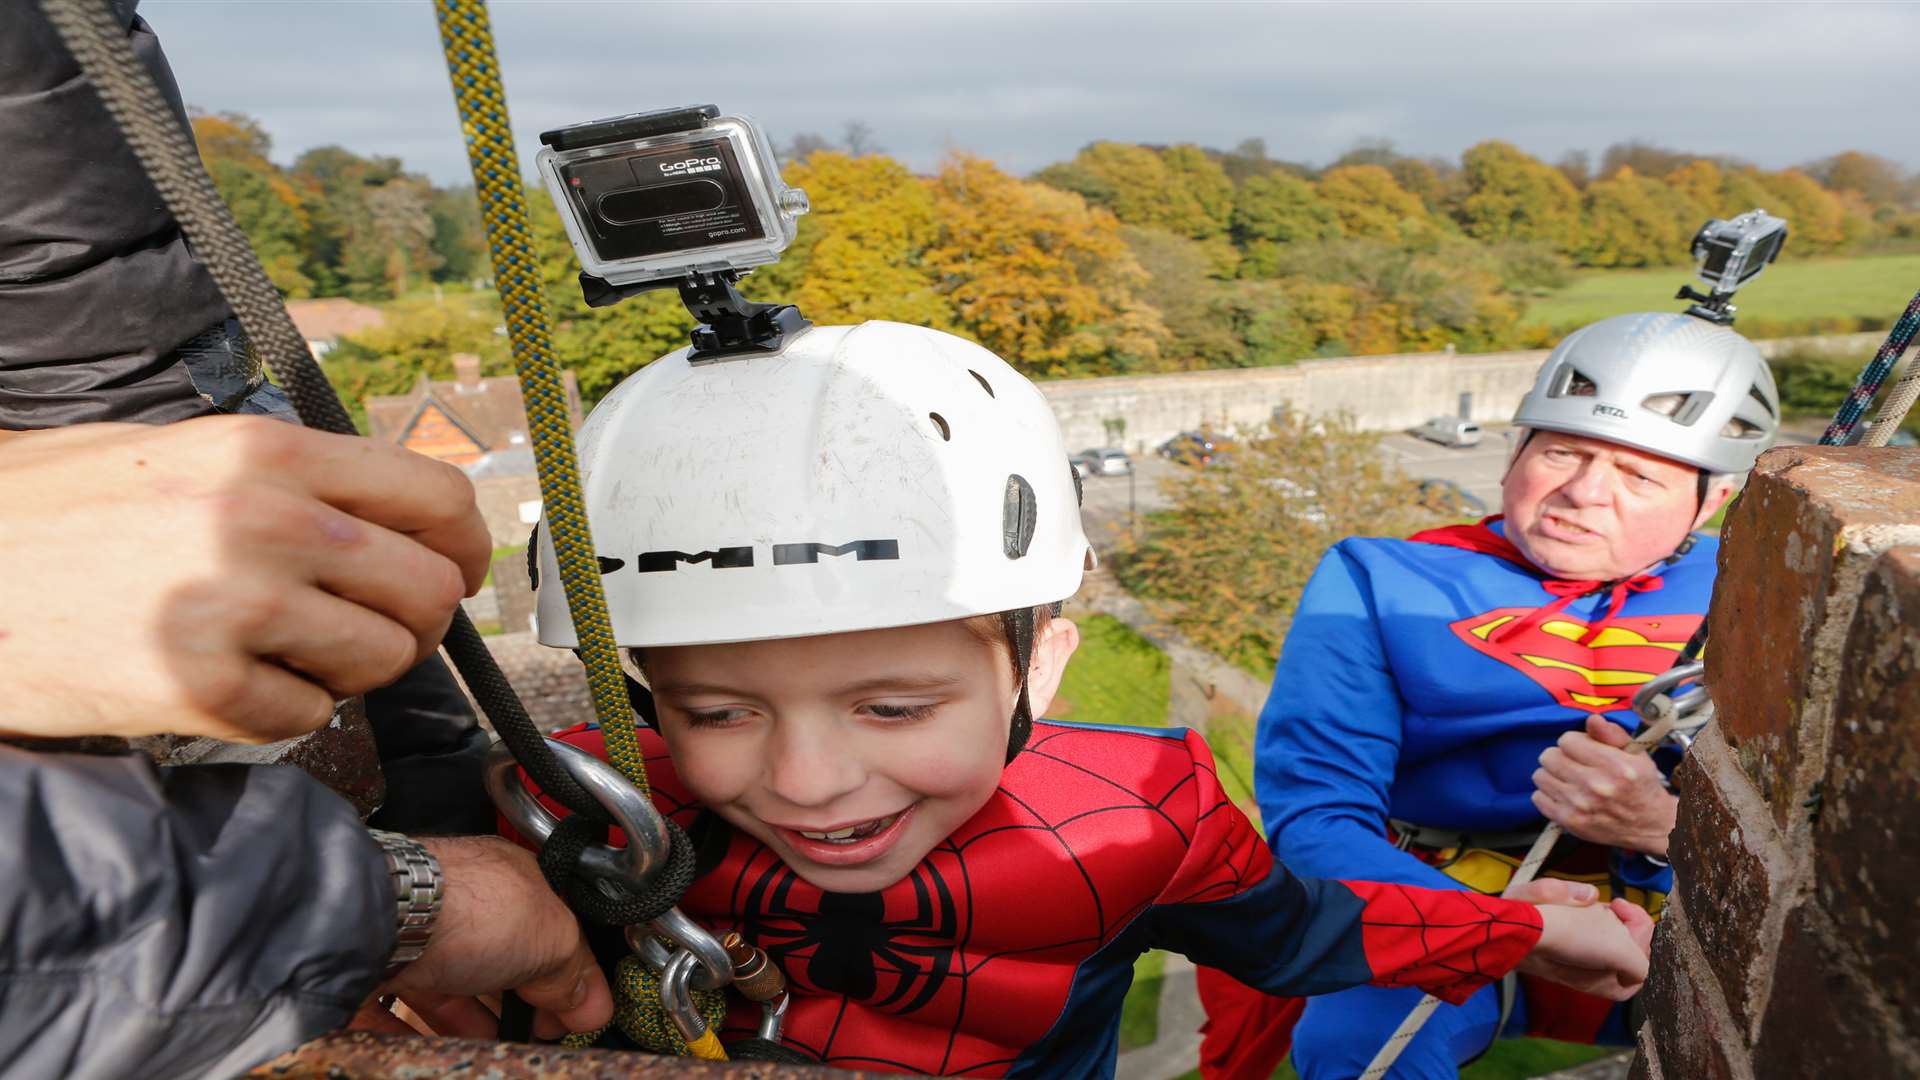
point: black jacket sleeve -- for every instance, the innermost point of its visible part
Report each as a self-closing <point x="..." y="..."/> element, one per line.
<point x="178" y="922"/>
<point x="97" y="285"/>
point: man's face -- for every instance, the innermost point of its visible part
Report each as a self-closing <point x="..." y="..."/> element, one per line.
<point x="850" y="755"/>
<point x="1586" y="509"/>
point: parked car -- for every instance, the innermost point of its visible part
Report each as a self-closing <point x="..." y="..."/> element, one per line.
<point x="1447" y="497"/>
<point x="1102" y="462"/>
<point x="1194" y="448"/>
<point x="1450" y="431"/>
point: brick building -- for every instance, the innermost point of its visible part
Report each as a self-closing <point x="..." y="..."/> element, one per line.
<point x="479" y="424"/>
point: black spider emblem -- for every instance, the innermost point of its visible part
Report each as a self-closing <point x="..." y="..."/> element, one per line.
<point x="849" y="944"/>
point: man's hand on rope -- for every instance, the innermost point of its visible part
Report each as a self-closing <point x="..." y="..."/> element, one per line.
<point x="500" y="928"/>
<point x="229" y="576"/>
<point x="1595" y="948"/>
<point x="1595" y="789"/>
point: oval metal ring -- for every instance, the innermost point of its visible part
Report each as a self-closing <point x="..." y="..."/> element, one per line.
<point x="648" y="843"/>
<point x="716" y="967"/>
<point x="1646" y="698"/>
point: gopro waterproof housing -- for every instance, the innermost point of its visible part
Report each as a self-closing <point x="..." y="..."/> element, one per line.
<point x="651" y="199"/>
<point x="1731" y="253"/>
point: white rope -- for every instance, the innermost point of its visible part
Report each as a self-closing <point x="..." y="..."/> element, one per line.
<point x="1894" y="408"/>
<point x="1649" y="737"/>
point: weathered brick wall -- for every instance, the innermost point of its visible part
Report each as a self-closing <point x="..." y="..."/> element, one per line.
<point x="1789" y="949"/>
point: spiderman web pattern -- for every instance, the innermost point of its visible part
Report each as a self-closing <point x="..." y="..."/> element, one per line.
<point x="1463" y="940"/>
<point x="970" y="959"/>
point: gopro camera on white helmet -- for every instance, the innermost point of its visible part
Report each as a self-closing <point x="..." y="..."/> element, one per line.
<point x="1731" y="253"/>
<point x="677" y="198"/>
<point x="655" y="195"/>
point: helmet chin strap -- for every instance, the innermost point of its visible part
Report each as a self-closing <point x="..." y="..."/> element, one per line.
<point x="1019" y="626"/>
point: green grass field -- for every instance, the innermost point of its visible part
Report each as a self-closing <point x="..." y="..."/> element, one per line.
<point x="1793" y="296"/>
<point x="1116" y="677"/>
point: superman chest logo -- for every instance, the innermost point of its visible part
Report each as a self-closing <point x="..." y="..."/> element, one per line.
<point x="1597" y="677"/>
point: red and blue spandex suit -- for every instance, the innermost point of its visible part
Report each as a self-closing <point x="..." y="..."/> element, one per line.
<point x="1007" y="951"/>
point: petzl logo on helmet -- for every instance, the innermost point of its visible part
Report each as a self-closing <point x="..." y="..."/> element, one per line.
<point x="861" y="550"/>
<point x="691" y="165"/>
<point x="1613" y="411"/>
<point x="726" y="558"/>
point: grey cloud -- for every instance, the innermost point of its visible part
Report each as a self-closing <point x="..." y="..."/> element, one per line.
<point x="1027" y="84"/>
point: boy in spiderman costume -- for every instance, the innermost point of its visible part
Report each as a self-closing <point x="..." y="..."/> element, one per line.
<point x="1439" y="698"/>
<point x="845" y="620"/>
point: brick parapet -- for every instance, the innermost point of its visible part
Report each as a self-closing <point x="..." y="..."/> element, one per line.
<point x="1788" y="950"/>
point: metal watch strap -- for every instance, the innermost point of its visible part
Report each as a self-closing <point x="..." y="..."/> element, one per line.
<point x="418" y="889"/>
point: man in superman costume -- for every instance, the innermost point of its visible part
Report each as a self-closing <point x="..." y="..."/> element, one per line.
<point x="1440" y="698"/>
<point x="846" y="727"/>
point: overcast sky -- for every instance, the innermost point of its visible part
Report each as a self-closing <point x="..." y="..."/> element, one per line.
<point x="1027" y="84"/>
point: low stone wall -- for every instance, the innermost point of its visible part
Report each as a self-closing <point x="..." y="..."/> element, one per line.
<point x="1384" y="393"/>
<point x="1788" y="948"/>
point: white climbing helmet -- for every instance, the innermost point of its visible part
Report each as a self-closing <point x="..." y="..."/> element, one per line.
<point x="1669" y="384"/>
<point x="863" y="477"/>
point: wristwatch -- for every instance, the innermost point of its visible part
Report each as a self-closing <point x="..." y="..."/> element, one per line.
<point x="418" y="889"/>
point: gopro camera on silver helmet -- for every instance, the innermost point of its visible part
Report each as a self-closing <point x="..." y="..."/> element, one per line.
<point x="655" y="197"/>
<point x="1731" y="253"/>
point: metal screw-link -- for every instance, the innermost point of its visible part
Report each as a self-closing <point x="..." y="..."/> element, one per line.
<point x="754" y="976"/>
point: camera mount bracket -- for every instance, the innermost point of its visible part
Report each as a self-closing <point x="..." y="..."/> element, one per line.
<point x="730" y="324"/>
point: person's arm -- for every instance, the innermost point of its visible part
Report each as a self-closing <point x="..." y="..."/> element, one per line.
<point x="97" y="285"/>
<point x="196" y="921"/>
<point x="1230" y="905"/>
<point x="178" y="923"/>
<point x="1329" y="739"/>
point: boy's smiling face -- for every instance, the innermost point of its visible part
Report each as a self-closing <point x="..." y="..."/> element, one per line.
<point x="850" y="755"/>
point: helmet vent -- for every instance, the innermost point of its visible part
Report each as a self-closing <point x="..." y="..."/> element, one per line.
<point x="982" y="380"/>
<point x="1570" y="381"/>
<point x="1737" y="428"/>
<point x="946" y="433"/>
<point x="1018" y="516"/>
<point x="1756" y="394"/>
<point x="1681" y="408"/>
<point x="1079" y="490"/>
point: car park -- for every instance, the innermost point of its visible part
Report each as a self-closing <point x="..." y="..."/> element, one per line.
<point x="1450" y="431"/>
<point x="1105" y="461"/>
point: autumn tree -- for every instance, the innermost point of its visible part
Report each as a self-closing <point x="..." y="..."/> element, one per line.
<point x="1180" y="190"/>
<point x="265" y="205"/>
<point x="1635" y="220"/>
<point x="1511" y="196"/>
<point x="1038" y="276"/>
<point x="1274" y="210"/>
<point x="1226" y="561"/>
<point x="1371" y="205"/>
<point x="1881" y="183"/>
<point x="861" y="251"/>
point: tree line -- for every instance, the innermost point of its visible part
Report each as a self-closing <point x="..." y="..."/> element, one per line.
<point x="1125" y="258"/>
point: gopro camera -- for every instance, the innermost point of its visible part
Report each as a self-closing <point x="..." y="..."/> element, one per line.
<point x="653" y="198"/>
<point x="1732" y="253"/>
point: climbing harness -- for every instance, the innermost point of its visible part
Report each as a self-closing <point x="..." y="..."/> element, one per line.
<point x="1666" y="711"/>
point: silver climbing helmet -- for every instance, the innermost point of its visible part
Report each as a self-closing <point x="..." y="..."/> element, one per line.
<point x="1669" y="384"/>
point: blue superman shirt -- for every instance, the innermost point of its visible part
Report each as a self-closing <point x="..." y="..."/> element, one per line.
<point x="1422" y="680"/>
